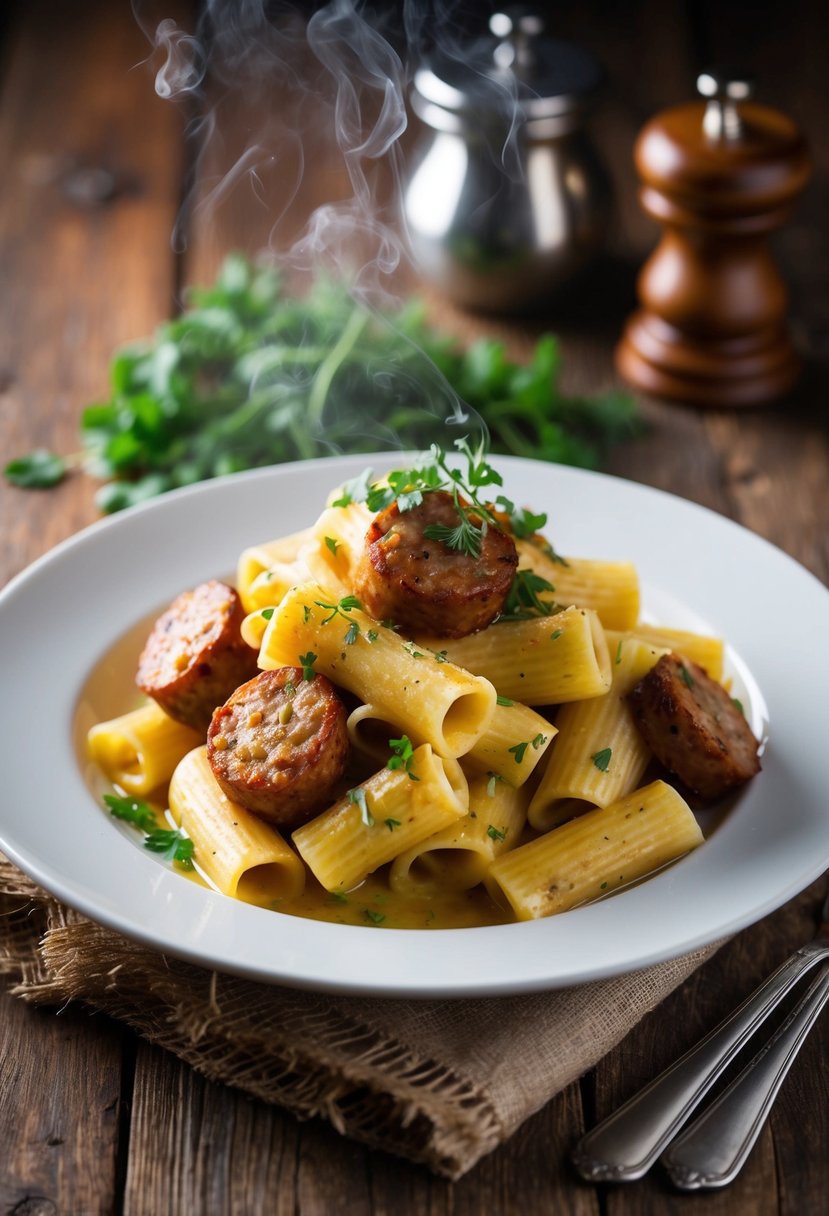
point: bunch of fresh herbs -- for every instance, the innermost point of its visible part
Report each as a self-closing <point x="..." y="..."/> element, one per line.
<point x="249" y="375"/>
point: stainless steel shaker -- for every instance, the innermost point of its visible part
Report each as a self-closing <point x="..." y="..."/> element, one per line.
<point x="506" y="199"/>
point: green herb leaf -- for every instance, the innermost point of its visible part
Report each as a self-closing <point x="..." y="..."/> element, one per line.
<point x="496" y="833"/>
<point x="139" y="814"/>
<point x="40" y="470"/>
<point x="376" y="918"/>
<point x="518" y="751"/>
<point x="352" y="633"/>
<point x="391" y="824"/>
<point x="332" y="544"/>
<point x="685" y="676"/>
<point x="403" y="756"/>
<point x="524" y="600"/>
<point x="601" y="759"/>
<point x="736" y="701"/>
<point x="504" y="701"/>
<point x="357" y="797"/>
<point x="539" y="741"/>
<point x="267" y="613"/>
<point x="306" y="662"/>
<point x="619" y="652"/>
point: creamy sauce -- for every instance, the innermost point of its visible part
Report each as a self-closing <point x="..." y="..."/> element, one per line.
<point x="110" y="691"/>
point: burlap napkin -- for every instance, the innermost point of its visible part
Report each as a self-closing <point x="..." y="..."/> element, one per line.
<point x="441" y="1082"/>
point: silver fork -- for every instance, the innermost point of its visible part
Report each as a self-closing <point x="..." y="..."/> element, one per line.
<point x="624" y="1146"/>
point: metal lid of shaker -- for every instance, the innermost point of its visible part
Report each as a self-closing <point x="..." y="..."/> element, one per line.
<point x="514" y="70"/>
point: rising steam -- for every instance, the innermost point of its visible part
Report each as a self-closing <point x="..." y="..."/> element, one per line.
<point x="342" y="78"/>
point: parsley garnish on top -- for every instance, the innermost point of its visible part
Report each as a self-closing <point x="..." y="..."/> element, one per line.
<point x="406" y="488"/>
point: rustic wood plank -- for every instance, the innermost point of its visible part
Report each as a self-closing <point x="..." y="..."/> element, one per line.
<point x="60" y="1104"/>
<point x="91" y="169"/>
<point x="528" y="1174"/>
<point x="91" y="179"/>
<point x="200" y="1147"/>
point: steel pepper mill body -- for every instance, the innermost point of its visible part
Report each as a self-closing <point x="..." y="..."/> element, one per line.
<point x="719" y="177"/>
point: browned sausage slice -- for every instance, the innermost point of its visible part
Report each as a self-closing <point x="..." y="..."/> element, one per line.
<point x="694" y="728"/>
<point x="423" y="585"/>
<point x="280" y="745"/>
<point x="195" y="655"/>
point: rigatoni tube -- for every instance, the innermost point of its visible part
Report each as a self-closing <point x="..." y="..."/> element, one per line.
<point x="596" y="853"/>
<point x="544" y="661"/>
<point x="458" y="858"/>
<point x="610" y="588"/>
<point x="244" y="857"/>
<point x="385" y="815"/>
<point x="598" y="754"/>
<point x="430" y="701"/>
<point x="139" y="750"/>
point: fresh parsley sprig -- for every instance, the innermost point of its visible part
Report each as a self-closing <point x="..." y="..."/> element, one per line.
<point x="250" y="375"/>
<point x="342" y="608"/>
<point x="524" y="599"/>
<point x="171" y="842"/>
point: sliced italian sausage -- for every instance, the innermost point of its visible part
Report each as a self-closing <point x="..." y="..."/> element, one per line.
<point x="422" y="584"/>
<point x="694" y="728"/>
<point x="280" y="745"/>
<point x="195" y="655"/>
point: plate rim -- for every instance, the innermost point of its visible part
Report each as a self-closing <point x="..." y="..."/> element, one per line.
<point x="73" y="892"/>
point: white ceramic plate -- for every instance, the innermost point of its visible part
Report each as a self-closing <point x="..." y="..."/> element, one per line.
<point x="65" y="611"/>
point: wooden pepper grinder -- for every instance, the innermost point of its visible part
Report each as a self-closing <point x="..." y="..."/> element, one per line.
<point x="719" y="175"/>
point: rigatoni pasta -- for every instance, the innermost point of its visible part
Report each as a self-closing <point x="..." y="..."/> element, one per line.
<point x="139" y="750"/>
<point x="596" y="853"/>
<point x="484" y="738"/>
<point x="432" y="701"/>
<point x="242" y="856"/>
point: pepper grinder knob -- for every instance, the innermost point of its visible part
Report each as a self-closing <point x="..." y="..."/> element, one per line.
<point x="719" y="174"/>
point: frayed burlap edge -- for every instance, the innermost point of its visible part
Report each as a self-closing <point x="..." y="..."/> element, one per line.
<point x="308" y="1053"/>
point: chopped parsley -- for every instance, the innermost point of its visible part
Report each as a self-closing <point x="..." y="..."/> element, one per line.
<point x="412" y="650"/>
<point x="523" y="523"/>
<point x="357" y="797"/>
<point x="539" y="741"/>
<point x="391" y="824"/>
<point x="518" y="751"/>
<point x="556" y="634"/>
<point x="406" y="488"/>
<point x="736" y="701"/>
<point x="494" y="778"/>
<point x="505" y="701"/>
<point x="306" y="662"/>
<point x="347" y="604"/>
<point x="376" y="918"/>
<point x="403" y="757"/>
<point x="372" y="635"/>
<point x="440" y="655"/>
<point x="496" y="833"/>
<point x="171" y="842"/>
<point x="338" y="897"/>
<point x="332" y="544"/>
<point x="524" y="599"/>
<point x="619" y="652"/>
<point x="601" y="759"/>
<point x="267" y="613"/>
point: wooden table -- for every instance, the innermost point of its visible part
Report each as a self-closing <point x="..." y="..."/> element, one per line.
<point x="94" y="1120"/>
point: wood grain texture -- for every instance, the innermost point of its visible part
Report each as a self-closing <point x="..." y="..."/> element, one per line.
<point x="60" y="1105"/>
<point x="88" y="202"/>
